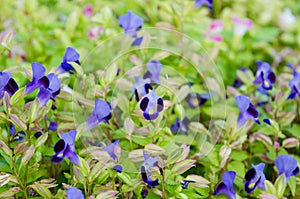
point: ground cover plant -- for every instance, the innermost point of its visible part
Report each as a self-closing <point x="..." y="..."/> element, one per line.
<point x="149" y="99"/>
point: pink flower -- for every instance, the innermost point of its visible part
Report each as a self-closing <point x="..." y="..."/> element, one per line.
<point x="241" y="26"/>
<point x="88" y="11"/>
<point x="214" y="31"/>
<point x="95" y="32"/>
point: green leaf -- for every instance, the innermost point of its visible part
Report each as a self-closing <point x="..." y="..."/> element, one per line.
<point x="17" y="96"/>
<point x="111" y="73"/>
<point x="41" y="190"/>
<point x="183" y="166"/>
<point x="27" y="155"/>
<point x="125" y="178"/>
<point x="270" y="187"/>
<point x="280" y="185"/>
<point x="292" y="185"/>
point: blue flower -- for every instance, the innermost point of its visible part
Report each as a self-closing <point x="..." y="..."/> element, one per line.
<point x="7" y="84"/>
<point x="49" y="85"/>
<point x="264" y="75"/>
<point x="71" y="55"/>
<point x="112" y="149"/>
<point x="287" y="165"/>
<point x="145" y="169"/>
<point x="101" y="113"/>
<point x="226" y="186"/>
<point x="154" y="70"/>
<point x="74" y="193"/>
<point x="294" y="84"/>
<point x="199" y="3"/>
<point x="65" y="147"/>
<point x="118" y="168"/>
<point x="195" y="99"/>
<point x="17" y="136"/>
<point x="151" y="105"/>
<point x="255" y="177"/>
<point x="141" y="87"/>
<point x="131" y="23"/>
<point x="180" y="126"/>
<point x="247" y="110"/>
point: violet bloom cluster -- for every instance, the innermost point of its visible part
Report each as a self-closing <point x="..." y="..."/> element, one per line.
<point x="255" y="177"/>
<point x="74" y="193"/>
<point x="65" y="148"/>
<point x="49" y="85"/>
<point x="195" y="99"/>
<point x="150" y="103"/>
<point x="145" y="169"/>
<point x="294" y="84"/>
<point x="226" y="186"/>
<point x="100" y="113"/>
<point x="247" y="110"/>
<point x="199" y="3"/>
<point x="7" y="84"/>
<point x="71" y="55"/>
<point x="131" y="23"/>
<point x="287" y="165"/>
<point x="113" y="149"/>
<point x="264" y="75"/>
<point x="154" y="69"/>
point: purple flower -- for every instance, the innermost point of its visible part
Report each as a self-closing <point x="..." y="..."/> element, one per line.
<point x="294" y="84"/>
<point x="118" y="168"/>
<point x="154" y="69"/>
<point x="180" y="126"/>
<point x="38" y="134"/>
<point x="113" y="149"/>
<point x="20" y="136"/>
<point x="49" y="85"/>
<point x="65" y="147"/>
<point x="199" y="3"/>
<point x="74" y="193"/>
<point x="141" y="87"/>
<point x="52" y="125"/>
<point x="144" y="192"/>
<point x="101" y="113"/>
<point x="71" y="55"/>
<point x="264" y="75"/>
<point x="287" y="165"/>
<point x="151" y="105"/>
<point x="226" y="186"/>
<point x="137" y="41"/>
<point x="247" y="110"/>
<point x="131" y="23"/>
<point x="255" y="177"/>
<point x="185" y="183"/>
<point x="7" y="84"/>
<point x="195" y="99"/>
<point x="146" y="167"/>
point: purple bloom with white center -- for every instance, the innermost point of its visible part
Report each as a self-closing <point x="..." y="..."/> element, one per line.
<point x="65" y="148"/>
<point x="131" y="23"/>
<point x="141" y="87"/>
<point x="264" y="75"/>
<point x="49" y="85"/>
<point x="113" y="149"/>
<point x="74" y="193"/>
<point x="199" y="3"/>
<point x="180" y="126"/>
<point x="71" y="55"/>
<point x="287" y="165"/>
<point x="154" y="70"/>
<point x="247" y="110"/>
<point x="145" y="169"/>
<point x="255" y="177"/>
<point x="7" y="84"/>
<point x="294" y="83"/>
<point x="226" y="186"/>
<point x="151" y="105"/>
<point x="101" y="113"/>
<point x="20" y="136"/>
<point x="195" y="99"/>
